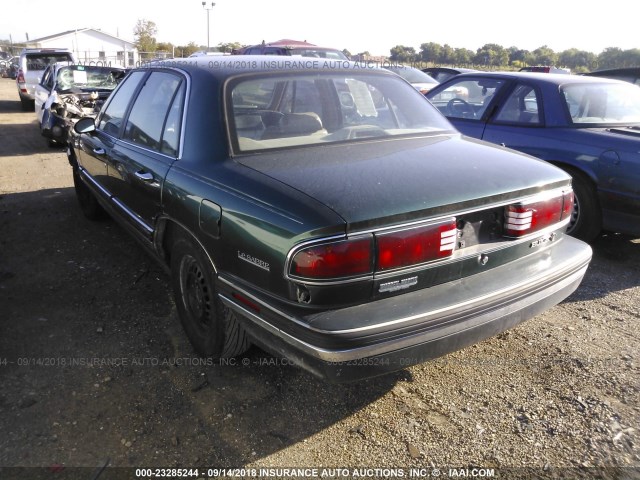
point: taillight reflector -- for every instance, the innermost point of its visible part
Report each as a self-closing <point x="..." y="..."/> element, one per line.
<point x="345" y="258"/>
<point x="415" y="246"/>
<point x="525" y="218"/>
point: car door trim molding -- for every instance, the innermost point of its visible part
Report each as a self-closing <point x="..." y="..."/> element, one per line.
<point x="110" y="197"/>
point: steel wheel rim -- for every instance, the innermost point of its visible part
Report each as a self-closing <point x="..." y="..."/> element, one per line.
<point x="196" y="296"/>
<point x="575" y="214"/>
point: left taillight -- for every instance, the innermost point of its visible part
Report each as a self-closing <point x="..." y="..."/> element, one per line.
<point x="380" y="252"/>
<point x="525" y="218"/>
<point x="340" y="259"/>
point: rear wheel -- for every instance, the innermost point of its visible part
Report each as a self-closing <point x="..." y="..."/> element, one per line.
<point x="212" y="328"/>
<point x="586" y="218"/>
<point x="86" y="199"/>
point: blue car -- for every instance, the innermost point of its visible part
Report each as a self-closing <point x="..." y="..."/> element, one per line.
<point x="590" y="127"/>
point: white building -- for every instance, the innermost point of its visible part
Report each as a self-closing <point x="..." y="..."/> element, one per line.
<point x="91" y="46"/>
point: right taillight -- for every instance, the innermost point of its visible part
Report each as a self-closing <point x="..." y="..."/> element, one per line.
<point x="525" y="218"/>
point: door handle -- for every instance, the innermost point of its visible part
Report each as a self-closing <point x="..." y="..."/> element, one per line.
<point x="144" y="176"/>
<point x="98" y="151"/>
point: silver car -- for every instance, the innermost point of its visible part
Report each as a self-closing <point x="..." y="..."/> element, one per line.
<point x="33" y="62"/>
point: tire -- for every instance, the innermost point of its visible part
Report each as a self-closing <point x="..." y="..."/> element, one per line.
<point x="211" y="327"/>
<point x="89" y="205"/>
<point x="586" y="218"/>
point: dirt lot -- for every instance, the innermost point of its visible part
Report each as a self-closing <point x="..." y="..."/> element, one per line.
<point x="95" y="369"/>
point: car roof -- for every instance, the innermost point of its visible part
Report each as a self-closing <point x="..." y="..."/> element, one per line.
<point x="224" y="67"/>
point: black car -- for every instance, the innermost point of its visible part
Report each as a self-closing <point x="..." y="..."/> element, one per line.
<point x="325" y="212"/>
<point x="629" y="74"/>
<point x="445" y="73"/>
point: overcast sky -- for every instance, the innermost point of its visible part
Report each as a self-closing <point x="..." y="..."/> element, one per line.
<point x="356" y="25"/>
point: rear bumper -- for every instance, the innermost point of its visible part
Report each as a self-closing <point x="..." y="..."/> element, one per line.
<point x="414" y="327"/>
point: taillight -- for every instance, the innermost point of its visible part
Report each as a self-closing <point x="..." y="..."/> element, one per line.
<point x="362" y="256"/>
<point x="522" y="219"/>
<point x="417" y="245"/>
<point x="341" y="259"/>
<point x="21" y="81"/>
<point x="567" y="207"/>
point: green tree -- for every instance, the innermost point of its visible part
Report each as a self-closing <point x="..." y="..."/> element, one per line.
<point x="402" y="53"/>
<point x="492" y="54"/>
<point x="186" y="50"/>
<point x="545" y="56"/>
<point x="610" y="57"/>
<point x="447" y="55"/>
<point x="462" y="56"/>
<point x="431" y="52"/>
<point x="145" y="35"/>
<point x="579" y="60"/>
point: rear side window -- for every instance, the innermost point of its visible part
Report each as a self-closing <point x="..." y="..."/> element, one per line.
<point x="40" y="61"/>
<point x="521" y="107"/>
<point x="146" y="123"/>
<point x="111" y="118"/>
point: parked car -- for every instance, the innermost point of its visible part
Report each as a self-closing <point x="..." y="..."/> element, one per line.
<point x="590" y="127"/>
<point x="325" y="212"/>
<point x="420" y="80"/>
<point x="9" y="67"/>
<point x="630" y="74"/>
<point x="31" y="65"/>
<point x="67" y="93"/>
<point x="445" y="73"/>
<point x="289" y="47"/>
<point x="545" y="69"/>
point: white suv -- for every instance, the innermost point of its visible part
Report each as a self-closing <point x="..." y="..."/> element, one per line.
<point x="32" y="63"/>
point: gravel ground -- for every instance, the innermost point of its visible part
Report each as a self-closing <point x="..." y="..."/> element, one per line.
<point x="95" y="369"/>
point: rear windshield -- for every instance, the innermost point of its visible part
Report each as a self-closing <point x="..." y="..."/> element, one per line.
<point x="40" y="61"/>
<point x="603" y="103"/>
<point x="285" y="110"/>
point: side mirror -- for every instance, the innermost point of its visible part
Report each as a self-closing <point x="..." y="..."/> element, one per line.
<point x="85" y="125"/>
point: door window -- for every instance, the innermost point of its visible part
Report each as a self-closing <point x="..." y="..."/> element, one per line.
<point x="111" y="118"/>
<point x="521" y="107"/>
<point x="146" y="122"/>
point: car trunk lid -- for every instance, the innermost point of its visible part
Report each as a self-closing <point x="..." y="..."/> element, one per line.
<point x="401" y="180"/>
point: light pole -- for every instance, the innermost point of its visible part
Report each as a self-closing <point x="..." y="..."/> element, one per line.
<point x="208" y="9"/>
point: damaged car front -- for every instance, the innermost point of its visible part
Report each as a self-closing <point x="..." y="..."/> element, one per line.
<point x="67" y="93"/>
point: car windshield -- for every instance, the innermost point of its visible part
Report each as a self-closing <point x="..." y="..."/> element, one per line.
<point x="598" y="103"/>
<point x="284" y="110"/>
<point x="86" y="77"/>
